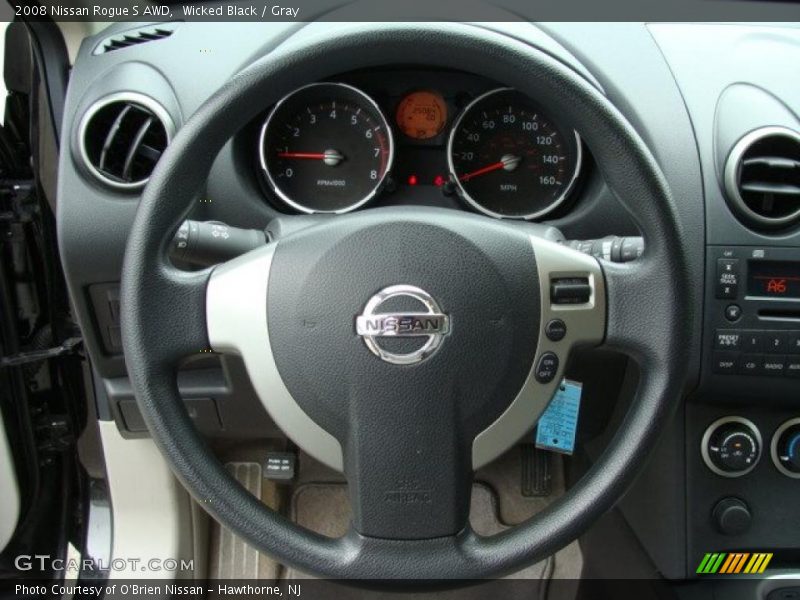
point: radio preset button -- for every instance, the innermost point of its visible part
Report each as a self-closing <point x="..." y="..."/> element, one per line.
<point x="728" y="339"/>
<point x="775" y="341"/>
<point x="794" y="343"/>
<point x="752" y="341"/>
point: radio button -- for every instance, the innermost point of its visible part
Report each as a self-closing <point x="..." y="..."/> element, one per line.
<point x="727" y="277"/>
<point x="775" y="341"/>
<point x="750" y="364"/>
<point x="793" y="366"/>
<point x="728" y="339"/>
<point x="733" y="312"/>
<point x="794" y="343"/>
<point x="725" y="362"/>
<point x="752" y="341"/>
<point x="774" y="365"/>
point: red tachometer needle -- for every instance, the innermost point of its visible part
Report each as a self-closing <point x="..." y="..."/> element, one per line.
<point x="487" y="169"/>
<point x="312" y="155"/>
<point x="330" y="157"/>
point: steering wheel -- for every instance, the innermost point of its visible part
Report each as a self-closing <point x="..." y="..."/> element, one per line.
<point x="406" y="433"/>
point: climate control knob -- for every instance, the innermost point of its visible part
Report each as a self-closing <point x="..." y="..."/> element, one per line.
<point x="731" y="446"/>
<point x="785" y="448"/>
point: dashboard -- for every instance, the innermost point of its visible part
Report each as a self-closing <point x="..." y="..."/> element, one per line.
<point x="713" y="103"/>
<point x="353" y="141"/>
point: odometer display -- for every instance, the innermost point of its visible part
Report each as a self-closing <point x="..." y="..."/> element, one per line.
<point x="509" y="160"/>
<point x="326" y="148"/>
<point x="422" y="115"/>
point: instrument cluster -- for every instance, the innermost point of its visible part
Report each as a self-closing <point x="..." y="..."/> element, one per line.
<point x="331" y="147"/>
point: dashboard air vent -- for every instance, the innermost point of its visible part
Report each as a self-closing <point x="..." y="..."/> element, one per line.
<point x="762" y="178"/>
<point x="122" y="137"/>
<point x="135" y="37"/>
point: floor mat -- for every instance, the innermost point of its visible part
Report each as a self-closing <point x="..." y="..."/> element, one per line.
<point x="319" y="502"/>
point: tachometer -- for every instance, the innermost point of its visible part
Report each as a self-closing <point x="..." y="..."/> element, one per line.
<point x="326" y="148"/>
<point x="509" y="160"/>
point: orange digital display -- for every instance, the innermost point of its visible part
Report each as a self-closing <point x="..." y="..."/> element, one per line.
<point x="772" y="278"/>
<point x="422" y="115"/>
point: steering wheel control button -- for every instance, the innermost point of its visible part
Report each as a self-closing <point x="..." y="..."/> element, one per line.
<point x="570" y="290"/>
<point x="546" y="367"/>
<point x="731" y="446"/>
<point x="727" y="339"/>
<point x="429" y="324"/>
<point x="555" y="330"/>
<point x="785" y="448"/>
<point x="727" y="278"/>
<point x="733" y="312"/>
<point x="731" y="516"/>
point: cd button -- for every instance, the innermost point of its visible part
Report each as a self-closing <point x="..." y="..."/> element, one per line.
<point x="750" y="364"/>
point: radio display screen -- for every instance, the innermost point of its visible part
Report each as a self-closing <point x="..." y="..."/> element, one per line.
<point x="773" y="279"/>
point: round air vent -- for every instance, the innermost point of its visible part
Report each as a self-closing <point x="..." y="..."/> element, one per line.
<point x="122" y="137"/>
<point x="762" y="178"/>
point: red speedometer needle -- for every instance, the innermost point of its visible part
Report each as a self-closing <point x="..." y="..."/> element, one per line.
<point x="482" y="171"/>
<point x="509" y="162"/>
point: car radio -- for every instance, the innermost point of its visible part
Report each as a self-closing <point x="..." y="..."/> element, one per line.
<point x="753" y="312"/>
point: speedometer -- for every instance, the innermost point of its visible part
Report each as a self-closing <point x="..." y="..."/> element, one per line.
<point x="509" y="160"/>
<point x="326" y="148"/>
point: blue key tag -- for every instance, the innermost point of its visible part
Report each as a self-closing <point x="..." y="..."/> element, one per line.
<point x="557" y="425"/>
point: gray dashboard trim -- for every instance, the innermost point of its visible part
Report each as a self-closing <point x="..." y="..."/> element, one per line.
<point x="585" y="323"/>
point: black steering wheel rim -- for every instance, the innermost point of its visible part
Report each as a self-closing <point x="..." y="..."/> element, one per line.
<point x="160" y="305"/>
